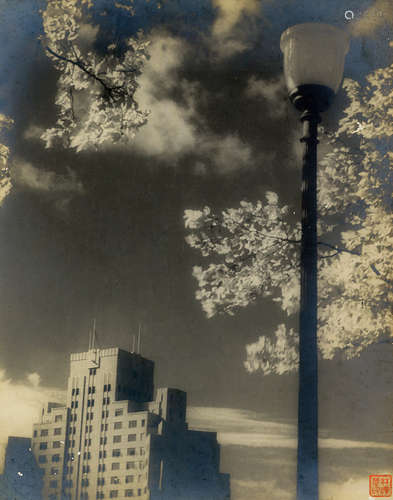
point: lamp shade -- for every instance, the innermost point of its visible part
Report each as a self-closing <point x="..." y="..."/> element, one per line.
<point x="314" y="53"/>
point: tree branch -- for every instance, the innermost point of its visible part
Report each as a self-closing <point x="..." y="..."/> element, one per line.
<point x="81" y="66"/>
<point x="337" y="249"/>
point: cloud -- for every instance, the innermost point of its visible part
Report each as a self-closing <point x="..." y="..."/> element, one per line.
<point x="232" y="29"/>
<point x="175" y="127"/>
<point x="251" y="429"/>
<point x="23" y="402"/>
<point x="259" y="490"/>
<point x="27" y="175"/>
<point x="228" y="153"/>
<point x="374" y="18"/>
<point x="274" y="92"/>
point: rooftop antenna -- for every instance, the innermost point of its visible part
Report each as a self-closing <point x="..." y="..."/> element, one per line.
<point x="93" y="340"/>
<point x="133" y="343"/>
<point x="139" y="339"/>
<point x="89" y="339"/>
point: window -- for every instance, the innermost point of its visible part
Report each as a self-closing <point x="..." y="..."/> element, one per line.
<point x="101" y="467"/>
<point x="68" y="483"/>
<point x="115" y="466"/>
<point x="92" y="390"/>
<point x="55" y="458"/>
<point x="42" y="459"/>
<point x="88" y="442"/>
<point x="130" y="465"/>
<point x="100" y="481"/>
<point x="129" y="493"/>
<point x="100" y="494"/>
<point x="105" y="413"/>
<point x="117" y="439"/>
<point x="106" y="401"/>
<point x="129" y="479"/>
<point x="77" y="391"/>
<point x="68" y="470"/>
<point x="84" y="496"/>
<point x="92" y="371"/>
<point x="35" y="434"/>
<point x="118" y="412"/>
<point x="72" y="404"/>
<point x="90" y="402"/>
<point x="86" y="455"/>
<point x="73" y="391"/>
<point x="132" y="423"/>
<point x="117" y="425"/>
<point x="44" y="445"/>
<point x="116" y="453"/>
<point x="44" y="432"/>
<point x="102" y="454"/>
<point x="139" y="492"/>
<point x="53" y="484"/>
<point x="89" y="428"/>
<point x="54" y="471"/>
<point x="131" y="437"/>
<point x="115" y="480"/>
<point x="113" y="494"/>
<point x="103" y="440"/>
<point x="104" y="427"/>
<point x="109" y="387"/>
<point x="58" y="418"/>
<point x="130" y="451"/>
<point x="85" y="482"/>
<point x="56" y="444"/>
<point x="142" y="451"/>
<point x="57" y="431"/>
<point x="89" y="416"/>
<point x="86" y="469"/>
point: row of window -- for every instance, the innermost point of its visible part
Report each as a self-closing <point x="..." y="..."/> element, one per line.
<point x="44" y="445"/>
<point x="116" y="480"/>
<point x="45" y="432"/>
<point x="117" y="452"/>
<point x="115" y="493"/>
<point x="118" y="438"/>
<point x="116" y="466"/>
<point x="42" y="459"/>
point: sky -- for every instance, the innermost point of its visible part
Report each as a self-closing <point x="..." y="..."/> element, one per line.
<point x="100" y="234"/>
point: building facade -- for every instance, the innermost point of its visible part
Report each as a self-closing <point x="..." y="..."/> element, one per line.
<point x="113" y="440"/>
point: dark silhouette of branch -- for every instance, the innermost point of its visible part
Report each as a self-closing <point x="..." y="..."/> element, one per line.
<point x="80" y="65"/>
<point x="338" y="249"/>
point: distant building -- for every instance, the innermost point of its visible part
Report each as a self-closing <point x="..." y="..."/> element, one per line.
<point x="112" y="440"/>
<point x="22" y="478"/>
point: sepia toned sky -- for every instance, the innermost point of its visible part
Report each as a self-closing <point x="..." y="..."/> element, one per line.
<point x="101" y="234"/>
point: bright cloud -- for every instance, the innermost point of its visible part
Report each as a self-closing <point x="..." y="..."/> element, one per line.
<point x="246" y="428"/>
<point x="375" y="17"/>
<point x="23" y="402"/>
<point x="27" y="175"/>
<point x="175" y="127"/>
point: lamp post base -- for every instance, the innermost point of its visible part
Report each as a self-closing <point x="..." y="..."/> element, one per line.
<point x="312" y="97"/>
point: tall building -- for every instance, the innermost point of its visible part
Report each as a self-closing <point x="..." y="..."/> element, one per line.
<point x="113" y="440"/>
<point x="21" y="478"/>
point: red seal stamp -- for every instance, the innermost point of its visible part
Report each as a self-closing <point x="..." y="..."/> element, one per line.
<point x="380" y="485"/>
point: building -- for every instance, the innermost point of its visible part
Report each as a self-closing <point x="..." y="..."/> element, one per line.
<point x="113" y="440"/>
<point x="21" y="478"/>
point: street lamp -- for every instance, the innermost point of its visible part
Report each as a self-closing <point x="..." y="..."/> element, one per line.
<point x="314" y="56"/>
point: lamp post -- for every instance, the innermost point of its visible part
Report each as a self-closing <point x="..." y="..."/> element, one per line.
<point x="314" y="56"/>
